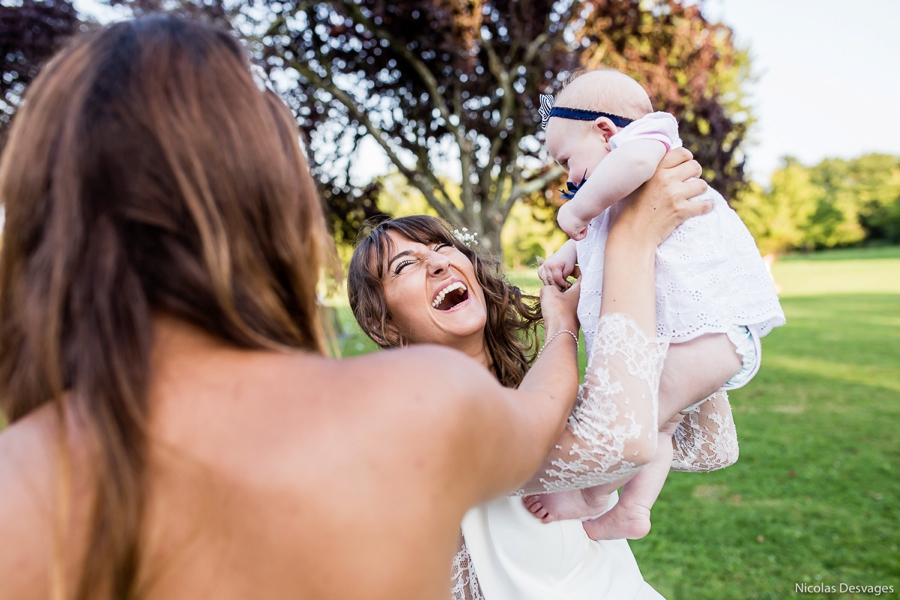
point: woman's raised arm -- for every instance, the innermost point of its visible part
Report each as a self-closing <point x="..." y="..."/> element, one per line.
<point x="509" y="431"/>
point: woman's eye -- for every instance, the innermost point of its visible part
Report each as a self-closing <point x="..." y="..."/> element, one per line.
<point x="401" y="266"/>
<point x="441" y="246"/>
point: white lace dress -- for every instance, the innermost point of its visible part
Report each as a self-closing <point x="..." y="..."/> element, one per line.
<point x="509" y="554"/>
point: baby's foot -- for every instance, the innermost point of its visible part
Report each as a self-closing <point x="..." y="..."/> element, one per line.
<point x="630" y="522"/>
<point x="574" y="504"/>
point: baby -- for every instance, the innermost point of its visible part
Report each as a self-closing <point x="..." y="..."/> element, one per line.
<point x="710" y="279"/>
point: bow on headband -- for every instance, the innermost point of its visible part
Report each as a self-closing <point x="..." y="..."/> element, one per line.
<point x="547" y="110"/>
<point x="572" y="188"/>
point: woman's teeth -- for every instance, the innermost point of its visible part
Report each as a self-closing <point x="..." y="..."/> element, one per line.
<point x="450" y="288"/>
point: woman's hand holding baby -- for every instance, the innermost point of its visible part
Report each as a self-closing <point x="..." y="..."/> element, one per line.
<point x="559" y="309"/>
<point x="640" y="223"/>
<point x="650" y="215"/>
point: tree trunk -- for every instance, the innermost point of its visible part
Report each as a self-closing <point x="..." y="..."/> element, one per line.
<point x="490" y="243"/>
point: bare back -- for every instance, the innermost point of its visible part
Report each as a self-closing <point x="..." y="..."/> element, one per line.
<point x="276" y="475"/>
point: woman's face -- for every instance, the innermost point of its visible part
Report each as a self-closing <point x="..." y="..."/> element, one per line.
<point x="433" y="295"/>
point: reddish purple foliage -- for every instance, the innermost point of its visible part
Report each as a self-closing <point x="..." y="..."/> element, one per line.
<point x="29" y="35"/>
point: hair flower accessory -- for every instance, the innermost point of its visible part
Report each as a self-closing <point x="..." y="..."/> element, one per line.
<point x="467" y="239"/>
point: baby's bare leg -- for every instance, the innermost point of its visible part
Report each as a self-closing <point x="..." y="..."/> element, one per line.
<point x="695" y="370"/>
<point x="630" y="517"/>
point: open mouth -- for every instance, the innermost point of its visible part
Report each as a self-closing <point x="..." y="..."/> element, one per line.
<point x="454" y="294"/>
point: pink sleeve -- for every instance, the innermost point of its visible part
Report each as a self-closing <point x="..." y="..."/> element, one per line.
<point x="659" y="126"/>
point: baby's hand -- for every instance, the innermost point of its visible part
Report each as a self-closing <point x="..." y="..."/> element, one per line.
<point x="570" y="223"/>
<point x="556" y="269"/>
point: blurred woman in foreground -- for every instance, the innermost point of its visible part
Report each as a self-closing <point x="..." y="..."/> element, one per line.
<point x="175" y="430"/>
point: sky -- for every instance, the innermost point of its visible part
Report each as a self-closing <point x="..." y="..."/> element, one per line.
<point x="828" y="77"/>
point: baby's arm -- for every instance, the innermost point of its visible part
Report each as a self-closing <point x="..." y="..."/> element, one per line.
<point x="620" y="173"/>
<point x="559" y="266"/>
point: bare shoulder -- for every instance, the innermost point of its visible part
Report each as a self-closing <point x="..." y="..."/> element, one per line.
<point x="26" y="470"/>
<point x="426" y="398"/>
<point x="27" y="483"/>
<point x="426" y="377"/>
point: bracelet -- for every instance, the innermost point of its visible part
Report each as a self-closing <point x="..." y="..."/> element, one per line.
<point x="554" y="336"/>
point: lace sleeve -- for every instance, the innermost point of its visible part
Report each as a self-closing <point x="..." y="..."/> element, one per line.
<point x="612" y="431"/>
<point x="706" y="439"/>
<point x="463" y="578"/>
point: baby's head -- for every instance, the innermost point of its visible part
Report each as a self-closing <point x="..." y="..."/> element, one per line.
<point x="579" y="146"/>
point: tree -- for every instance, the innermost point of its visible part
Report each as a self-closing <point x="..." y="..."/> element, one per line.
<point x="868" y="189"/>
<point x="435" y="83"/>
<point x="446" y="81"/>
<point x="530" y="231"/>
<point x="778" y="217"/>
<point x="451" y="86"/>
<point x="835" y="203"/>
<point x="29" y="35"/>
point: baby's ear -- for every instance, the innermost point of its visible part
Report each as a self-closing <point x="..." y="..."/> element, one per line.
<point x="605" y="127"/>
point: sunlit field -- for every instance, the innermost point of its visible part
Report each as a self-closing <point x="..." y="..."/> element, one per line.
<point x="815" y="496"/>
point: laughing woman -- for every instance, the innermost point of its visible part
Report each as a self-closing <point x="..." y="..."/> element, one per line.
<point x="412" y="282"/>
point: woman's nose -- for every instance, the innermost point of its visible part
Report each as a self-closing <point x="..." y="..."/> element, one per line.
<point x="437" y="263"/>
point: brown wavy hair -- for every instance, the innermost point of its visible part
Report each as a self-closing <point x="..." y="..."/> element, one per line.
<point x="512" y="317"/>
<point x="145" y="173"/>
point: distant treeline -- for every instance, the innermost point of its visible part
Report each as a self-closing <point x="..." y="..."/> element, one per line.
<point x="834" y="203"/>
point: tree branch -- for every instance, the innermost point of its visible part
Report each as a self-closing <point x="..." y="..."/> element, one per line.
<point x="420" y="67"/>
<point x="467" y="195"/>
<point x="431" y="84"/>
<point x="444" y="209"/>
<point x="533" y="48"/>
<point x="507" y="104"/>
<point x="532" y="185"/>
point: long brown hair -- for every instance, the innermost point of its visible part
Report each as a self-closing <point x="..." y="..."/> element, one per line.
<point x="512" y="317"/>
<point x="146" y="173"/>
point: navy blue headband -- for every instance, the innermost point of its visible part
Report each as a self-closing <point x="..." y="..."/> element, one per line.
<point x="547" y="110"/>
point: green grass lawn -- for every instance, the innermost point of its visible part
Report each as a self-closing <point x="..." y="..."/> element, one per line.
<point x="815" y="496"/>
